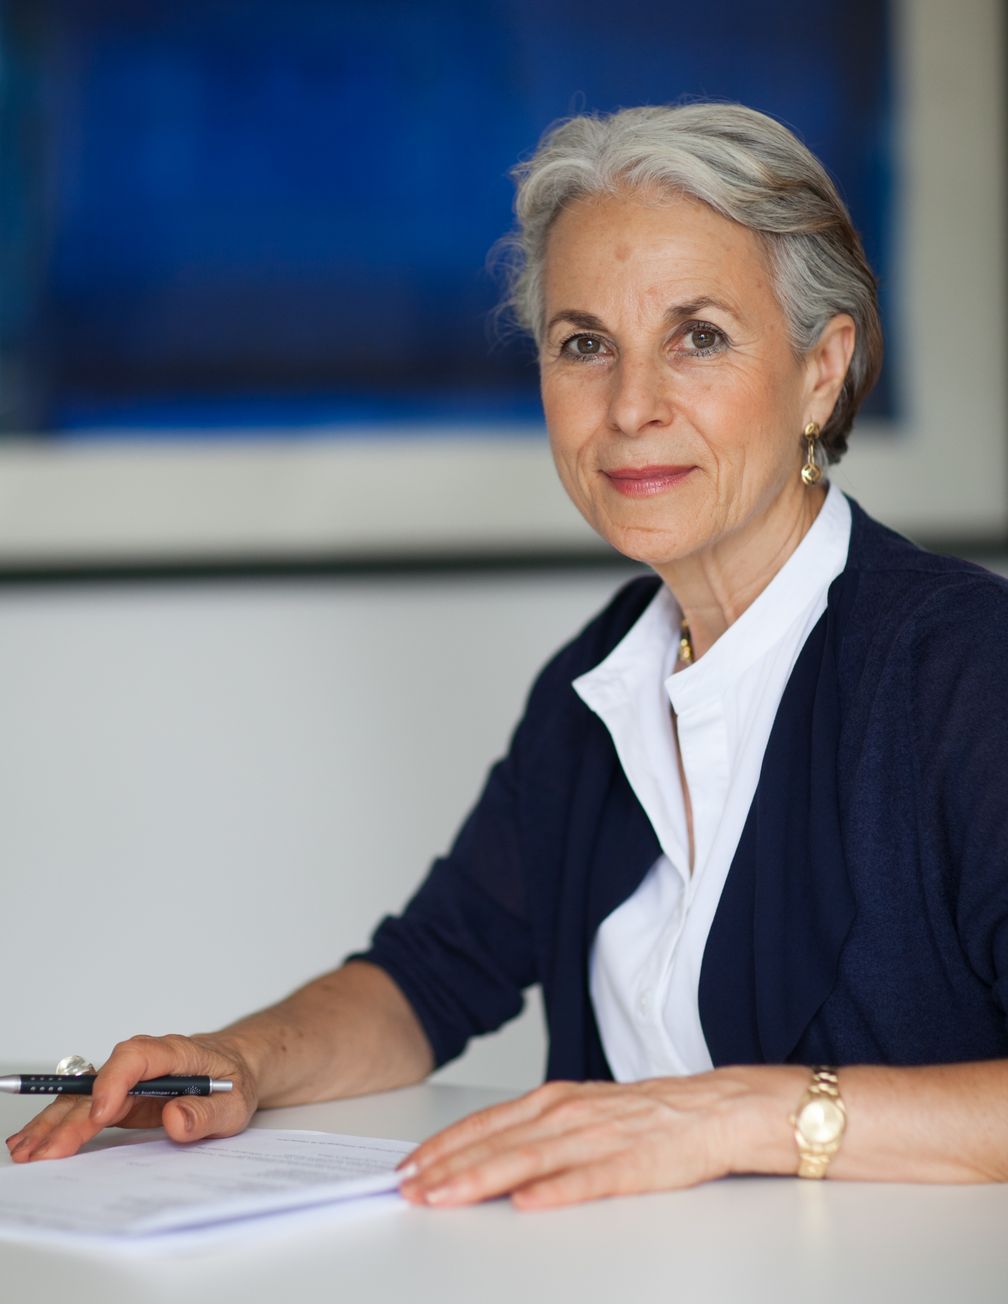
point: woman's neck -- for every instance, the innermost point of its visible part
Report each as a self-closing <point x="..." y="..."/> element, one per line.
<point x="714" y="587"/>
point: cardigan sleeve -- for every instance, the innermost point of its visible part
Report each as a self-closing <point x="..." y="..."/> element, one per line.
<point x="461" y="951"/>
<point x="960" y="709"/>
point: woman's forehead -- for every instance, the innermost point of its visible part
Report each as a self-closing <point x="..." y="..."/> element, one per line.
<point x="675" y="248"/>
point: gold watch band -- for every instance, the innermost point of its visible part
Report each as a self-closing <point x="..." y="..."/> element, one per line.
<point x="819" y="1123"/>
<point x="815" y="1166"/>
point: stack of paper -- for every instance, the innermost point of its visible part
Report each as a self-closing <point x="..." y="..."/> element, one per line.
<point x="153" y="1187"/>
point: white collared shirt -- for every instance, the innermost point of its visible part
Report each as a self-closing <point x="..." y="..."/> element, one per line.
<point x="645" y="962"/>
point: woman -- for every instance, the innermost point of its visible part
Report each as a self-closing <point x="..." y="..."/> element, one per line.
<point x="751" y="819"/>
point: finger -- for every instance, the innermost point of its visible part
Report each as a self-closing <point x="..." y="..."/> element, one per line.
<point x="38" y="1129"/>
<point x="65" y="1125"/>
<point x="133" y="1061"/>
<point x="507" y="1162"/>
<point x="61" y="1129"/>
<point x="437" y="1172"/>
<point x="191" y="1118"/>
<point x="188" y="1118"/>
<point x="577" y="1185"/>
<point x="487" y="1123"/>
<point x="554" y="1110"/>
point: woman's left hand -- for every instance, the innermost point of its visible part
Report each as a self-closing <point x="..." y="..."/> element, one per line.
<point x="568" y="1142"/>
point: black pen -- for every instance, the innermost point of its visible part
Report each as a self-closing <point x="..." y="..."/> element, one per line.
<point x="67" y="1084"/>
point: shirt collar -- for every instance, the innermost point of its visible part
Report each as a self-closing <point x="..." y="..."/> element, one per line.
<point x="642" y="658"/>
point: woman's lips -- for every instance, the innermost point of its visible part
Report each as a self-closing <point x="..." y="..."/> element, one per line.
<point x="646" y="481"/>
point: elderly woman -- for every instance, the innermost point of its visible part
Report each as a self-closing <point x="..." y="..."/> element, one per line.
<point x="751" y="823"/>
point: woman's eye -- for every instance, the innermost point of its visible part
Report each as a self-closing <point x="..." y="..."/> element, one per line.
<point x="703" y="340"/>
<point x="583" y="346"/>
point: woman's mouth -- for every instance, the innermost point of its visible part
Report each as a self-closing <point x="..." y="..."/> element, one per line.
<point x="646" y="481"/>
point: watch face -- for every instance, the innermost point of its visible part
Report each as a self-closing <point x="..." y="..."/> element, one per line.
<point x="821" y="1121"/>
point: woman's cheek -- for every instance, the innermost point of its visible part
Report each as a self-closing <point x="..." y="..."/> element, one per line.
<point x="567" y="422"/>
<point x="572" y="473"/>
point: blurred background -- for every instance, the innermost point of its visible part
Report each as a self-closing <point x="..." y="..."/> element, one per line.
<point x="280" y="542"/>
<point x="259" y="216"/>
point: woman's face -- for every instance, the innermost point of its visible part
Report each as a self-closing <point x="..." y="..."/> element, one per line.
<point x="674" y="401"/>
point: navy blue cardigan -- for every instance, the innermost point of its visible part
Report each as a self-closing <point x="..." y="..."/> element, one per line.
<point x="865" y="915"/>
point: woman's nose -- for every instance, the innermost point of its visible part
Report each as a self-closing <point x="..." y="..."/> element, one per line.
<point x="641" y="396"/>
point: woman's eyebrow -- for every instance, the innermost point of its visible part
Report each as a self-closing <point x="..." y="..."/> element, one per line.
<point x="583" y="319"/>
<point x="677" y="312"/>
<point x="694" y="307"/>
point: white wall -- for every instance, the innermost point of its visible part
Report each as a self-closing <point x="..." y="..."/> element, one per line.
<point x="210" y="793"/>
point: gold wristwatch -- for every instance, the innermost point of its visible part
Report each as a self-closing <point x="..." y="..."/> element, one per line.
<point x="819" y="1123"/>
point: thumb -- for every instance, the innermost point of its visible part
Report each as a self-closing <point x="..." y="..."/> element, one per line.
<point x="191" y="1118"/>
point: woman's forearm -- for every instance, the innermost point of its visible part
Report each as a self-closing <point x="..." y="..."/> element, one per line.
<point x="345" y="1033"/>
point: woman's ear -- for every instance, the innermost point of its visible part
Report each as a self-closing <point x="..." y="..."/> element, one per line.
<point x="827" y="363"/>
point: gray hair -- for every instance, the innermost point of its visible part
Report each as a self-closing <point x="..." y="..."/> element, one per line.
<point x="746" y="166"/>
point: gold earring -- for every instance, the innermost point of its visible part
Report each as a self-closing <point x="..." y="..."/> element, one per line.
<point x="811" y="472"/>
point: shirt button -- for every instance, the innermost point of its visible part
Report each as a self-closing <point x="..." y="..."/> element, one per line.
<point x="644" y="1002"/>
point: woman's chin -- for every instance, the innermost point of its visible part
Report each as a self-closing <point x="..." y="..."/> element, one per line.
<point x="654" y="547"/>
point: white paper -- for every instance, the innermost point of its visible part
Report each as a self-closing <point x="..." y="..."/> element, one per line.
<point x="159" y="1186"/>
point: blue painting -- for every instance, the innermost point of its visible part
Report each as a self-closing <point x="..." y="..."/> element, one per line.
<point x="275" y="214"/>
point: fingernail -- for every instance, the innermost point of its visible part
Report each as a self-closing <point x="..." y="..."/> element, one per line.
<point x="439" y="1195"/>
<point x="42" y="1151"/>
<point x="188" y="1118"/>
<point x="98" y="1110"/>
<point x="410" y="1170"/>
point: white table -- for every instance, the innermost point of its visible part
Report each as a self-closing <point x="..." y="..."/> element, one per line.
<point x="743" y="1239"/>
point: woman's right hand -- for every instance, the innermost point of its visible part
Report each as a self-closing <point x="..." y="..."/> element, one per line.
<point x="70" y="1121"/>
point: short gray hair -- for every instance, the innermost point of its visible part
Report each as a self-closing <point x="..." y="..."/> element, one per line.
<point x="746" y="166"/>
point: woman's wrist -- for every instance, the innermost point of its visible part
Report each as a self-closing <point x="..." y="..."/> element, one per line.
<point x="249" y="1052"/>
<point x="756" y="1131"/>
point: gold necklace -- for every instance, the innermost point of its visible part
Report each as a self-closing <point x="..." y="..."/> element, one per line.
<point x="685" y="645"/>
